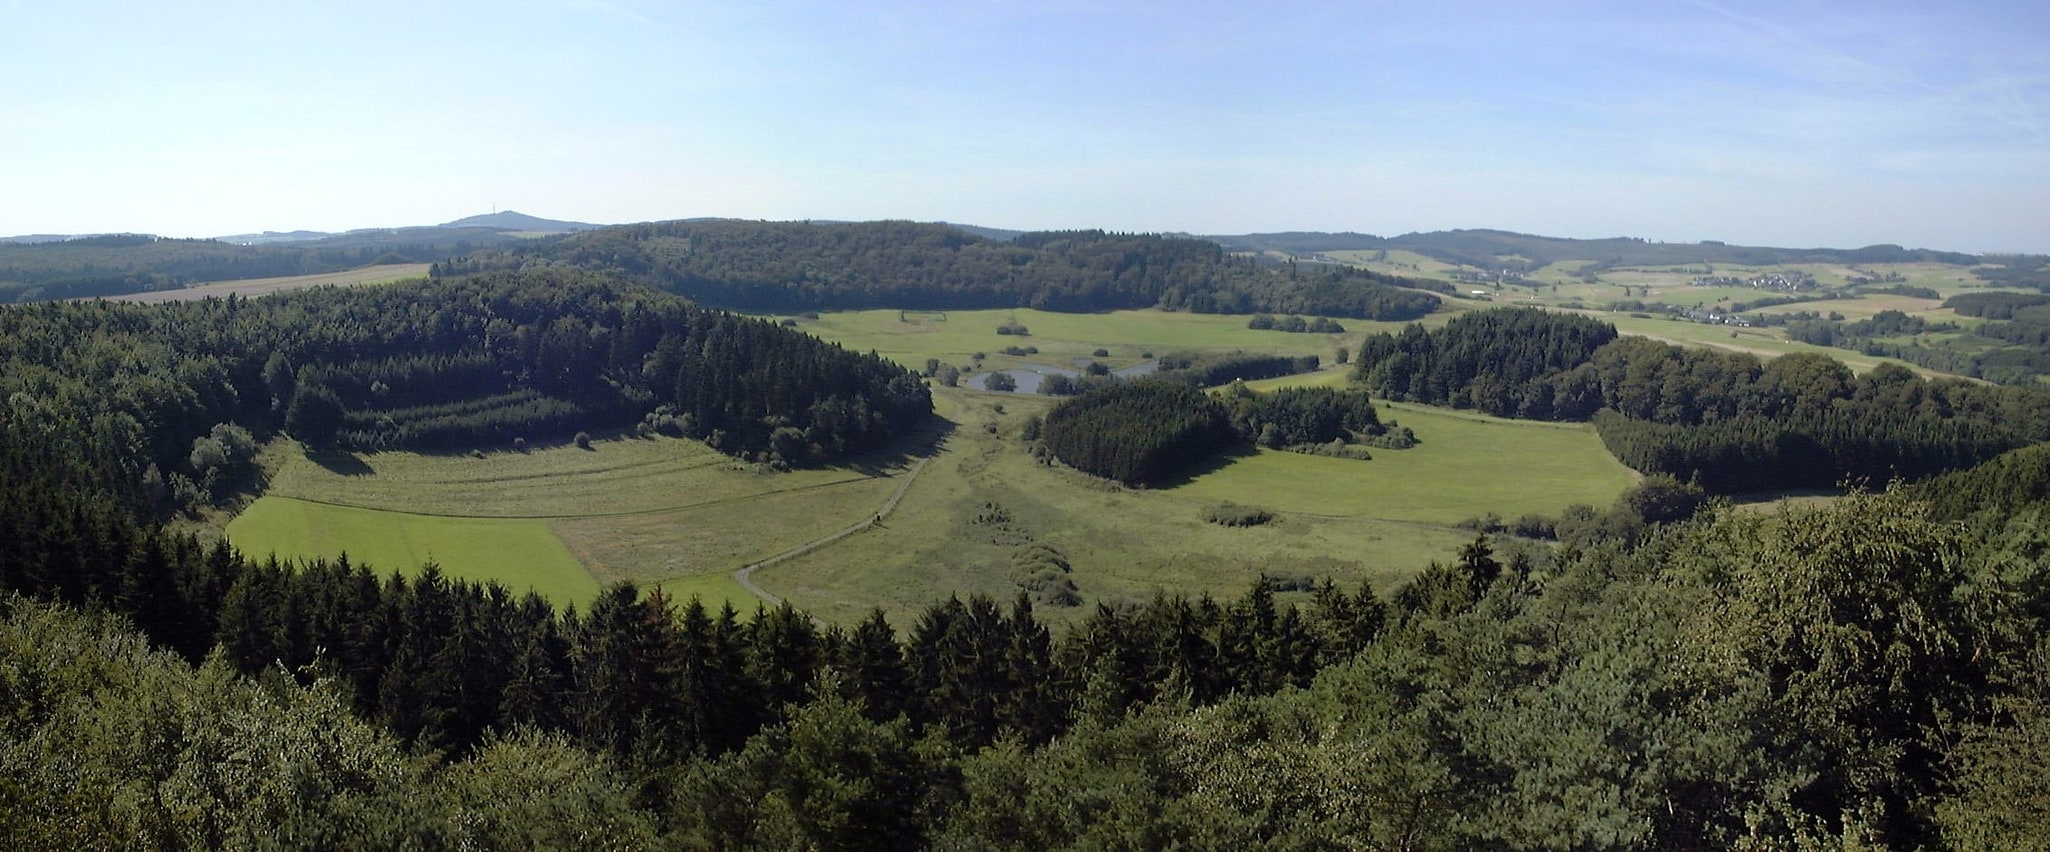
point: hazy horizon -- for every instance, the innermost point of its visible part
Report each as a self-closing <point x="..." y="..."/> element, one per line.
<point x="1794" y="125"/>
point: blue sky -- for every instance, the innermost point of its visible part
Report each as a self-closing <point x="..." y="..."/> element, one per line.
<point x="1778" y="123"/>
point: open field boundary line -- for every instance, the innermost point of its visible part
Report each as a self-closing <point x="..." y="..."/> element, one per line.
<point x="558" y="517"/>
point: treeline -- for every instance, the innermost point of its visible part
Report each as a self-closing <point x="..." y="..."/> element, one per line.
<point x="2027" y="271"/>
<point x="1137" y="433"/>
<point x="1728" y="420"/>
<point x="1504" y="250"/>
<point x="1295" y="417"/>
<point x="1196" y="369"/>
<point x="2013" y="350"/>
<point x="1498" y="361"/>
<point x="115" y="395"/>
<point x="1147" y="431"/>
<point x="2004" y="486"/>
<point x="1294" y="323"/>
<point x="1858" y="333"/>
<point x="1207" y="369"/>
<point x="113" y="265"/>
<point x="794" y="266"/>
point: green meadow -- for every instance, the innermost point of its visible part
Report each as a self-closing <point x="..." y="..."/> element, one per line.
<point x="1463" y="466"/>
<point x="655" y="511"/>
<point x="673" y="514"/>
<point x="522" y="555"/>
<point x="1375" y="521"/>
<point x="910" y="338"/>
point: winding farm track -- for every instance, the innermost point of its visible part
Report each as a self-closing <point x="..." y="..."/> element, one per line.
<point x="745" y="576"/>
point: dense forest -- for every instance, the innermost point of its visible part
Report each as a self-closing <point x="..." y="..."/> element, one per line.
<point x="124" y="396"/>
<point x="1150" y="430"/>
<point x="1208" y="369"/>
<point x="792" y="266"/>
<point x="115" y="264"/>
<point x="1727" y="420"/>
<point x="2014" y="348"/>
<point x="1138" y="433"/>
<point x="1505" y="250"/>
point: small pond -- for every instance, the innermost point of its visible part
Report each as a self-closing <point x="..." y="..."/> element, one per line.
<point x="1029" y="377"/>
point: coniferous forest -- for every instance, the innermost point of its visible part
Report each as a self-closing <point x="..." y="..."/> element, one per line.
<point x="1730" y="421"/>
<point x="1137" y="432"/>
<point x="1872" y="673"/>
<point x="792" y="266"/>
<point x="113" y="264"/>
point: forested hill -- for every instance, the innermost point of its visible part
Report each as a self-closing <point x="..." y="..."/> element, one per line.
<point x="1727" y="420"/>
<point x="114" y="264"/>
<point x="121" y="398"/>
<point x="792" y="266"/>
<point x="1489" y="249"/>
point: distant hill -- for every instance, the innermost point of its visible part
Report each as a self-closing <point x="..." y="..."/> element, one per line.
<point x="269" y="237"/>
<point x="119" y="264"/>
<point x="514" y="221"/>
<point x="1002" y="235"/>
<point x="1489" y="249"/>
<point x="795" y="266"/>
<point x="485" y="228"/>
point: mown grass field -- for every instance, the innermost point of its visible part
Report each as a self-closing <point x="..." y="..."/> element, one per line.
<point x="656" y="511"/>
<point x="522" y="555"/>
<point x="1464" y="465"/>
<point x="617" y="476"/>
<point x="251" y="288"/>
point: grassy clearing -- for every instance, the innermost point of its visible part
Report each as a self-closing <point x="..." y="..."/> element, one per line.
<point x="1763" y="342"/>
<point x="1332" y="376"/>
<point x="619" y="476"/>
<point x="521" y="554"/>
<point x="251" y="288"/>
<point x="1062" y="339"/>
<point x="713" y="539"/>
<point x="1350" y="520"/>
<point x="1464" y="465"/>
<point x="1396" y="262"/>
<point x="657" y="511"/>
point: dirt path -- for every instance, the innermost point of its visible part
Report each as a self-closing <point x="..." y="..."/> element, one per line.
<point x="745" y="576"/>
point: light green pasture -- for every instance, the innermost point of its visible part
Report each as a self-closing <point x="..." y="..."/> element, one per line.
<point x="1062" y="338"/>
<point x="1465" y="465"/>
<point x="522" y="555"/>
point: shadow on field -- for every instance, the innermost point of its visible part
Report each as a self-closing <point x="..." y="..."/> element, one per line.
<point x="339" y="463"/>
<point x="889" y="460"/>
<point x="1223" y="459"/>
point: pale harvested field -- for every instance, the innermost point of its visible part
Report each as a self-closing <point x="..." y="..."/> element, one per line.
<point x="254" y="287"/>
